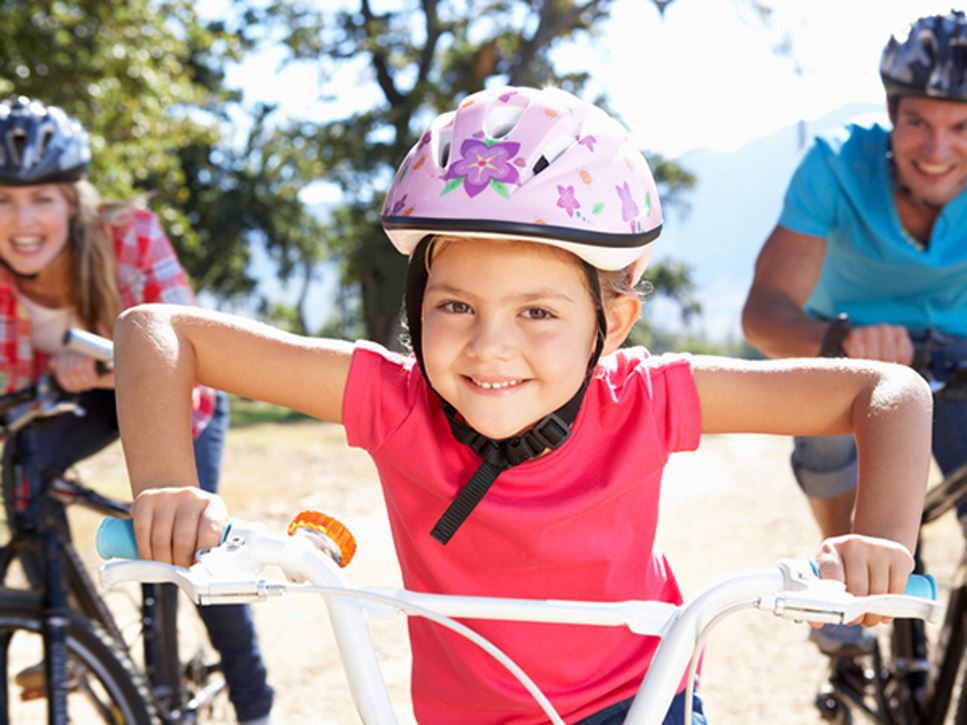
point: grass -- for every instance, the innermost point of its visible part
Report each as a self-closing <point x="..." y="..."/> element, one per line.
<point x="245" y="412"/>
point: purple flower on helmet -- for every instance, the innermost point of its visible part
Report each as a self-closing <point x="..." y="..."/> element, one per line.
<point x="424" y="140"/>
<point x="398" y="206"/>
<point x="482" y="164"/>
<point x="566" y="199"/>
<point x="588" y="141"/>
<point x="629" y="210"/>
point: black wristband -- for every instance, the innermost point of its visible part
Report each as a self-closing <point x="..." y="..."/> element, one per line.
<point x="836" y="334"/>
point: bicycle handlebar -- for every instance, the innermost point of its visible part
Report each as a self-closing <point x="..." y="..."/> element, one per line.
<point x="231" y="573"/>
<point x="94" y="346"/>
<point x="115" y="540"/>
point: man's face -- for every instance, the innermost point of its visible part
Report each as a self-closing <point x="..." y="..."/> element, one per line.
<point x="930" y="147"/>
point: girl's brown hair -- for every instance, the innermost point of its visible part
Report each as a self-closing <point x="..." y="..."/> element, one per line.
<point x="94" y="285"/>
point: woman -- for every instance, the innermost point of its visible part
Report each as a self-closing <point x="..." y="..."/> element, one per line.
<point x="66" y="260"/>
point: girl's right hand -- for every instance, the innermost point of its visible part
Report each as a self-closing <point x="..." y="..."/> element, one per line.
<point x="172" y="523"/>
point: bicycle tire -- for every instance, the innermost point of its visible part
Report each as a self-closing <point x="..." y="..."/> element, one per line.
<point x="960" y="681"/>
<point x="105" y="684"/>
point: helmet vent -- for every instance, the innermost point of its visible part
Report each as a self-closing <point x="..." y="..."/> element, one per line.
<point x="542" y="163"/>
<point x="46" y="135"/>
<point x="501" y="120"/>
<point x="17" y="140"/>
<point x="442" y="141"/>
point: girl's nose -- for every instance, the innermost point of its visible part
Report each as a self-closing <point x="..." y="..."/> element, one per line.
<point x="490" y="338"/>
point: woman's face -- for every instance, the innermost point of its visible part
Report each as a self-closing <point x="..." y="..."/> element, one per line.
<point x="34" y="225"/>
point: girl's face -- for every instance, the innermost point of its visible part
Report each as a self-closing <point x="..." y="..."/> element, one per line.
<point x="34" y="225"/>
<point x="930" y="147"/>
<point x="508" y="330"/>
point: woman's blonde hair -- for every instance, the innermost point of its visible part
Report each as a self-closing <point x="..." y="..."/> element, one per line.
<point x="94" y="284"/>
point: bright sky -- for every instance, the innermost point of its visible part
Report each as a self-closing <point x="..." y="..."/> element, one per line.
<point x="704" y="76"/>
<point x="707" y="75"/>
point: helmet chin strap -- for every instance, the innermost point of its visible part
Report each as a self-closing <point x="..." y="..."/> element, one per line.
<point x="497" y="455"/>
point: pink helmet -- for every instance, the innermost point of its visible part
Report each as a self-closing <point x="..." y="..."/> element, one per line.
<point x="533" y="164"/>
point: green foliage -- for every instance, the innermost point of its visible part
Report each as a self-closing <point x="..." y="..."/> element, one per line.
<point x="244" y="412"/>
<point x="418" y="60"/>
<point x="145" y="78"/>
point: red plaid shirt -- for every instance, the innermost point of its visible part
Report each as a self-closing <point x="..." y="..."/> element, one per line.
<point x="148" y="271"/>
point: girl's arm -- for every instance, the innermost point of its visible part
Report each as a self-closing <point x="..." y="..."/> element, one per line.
<point x="889" y="410"/>
<point x="161" y="352"/>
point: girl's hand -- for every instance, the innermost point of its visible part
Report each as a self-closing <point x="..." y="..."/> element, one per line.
<point x="868" y="565"/>
<point x="76" y="373"/>
<point x="171" y="524"/>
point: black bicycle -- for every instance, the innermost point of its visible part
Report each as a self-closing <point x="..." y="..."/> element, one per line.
<point x="916" y="683"/>
<point x="90" y="671"/>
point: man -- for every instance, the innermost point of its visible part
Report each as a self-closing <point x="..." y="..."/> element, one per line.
<point x="870" y="255"/>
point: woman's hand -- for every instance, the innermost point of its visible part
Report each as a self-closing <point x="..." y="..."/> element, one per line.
<point x="76" y="373"/>
<point x="868" y="565"/>
<point x="171" y="524"/>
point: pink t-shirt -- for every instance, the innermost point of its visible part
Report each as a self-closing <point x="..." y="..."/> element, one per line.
<point x="577" y="523"/>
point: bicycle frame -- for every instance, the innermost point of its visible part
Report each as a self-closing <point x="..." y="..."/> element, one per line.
<point x="230" y="573"/>
<point x="40" y="533"/>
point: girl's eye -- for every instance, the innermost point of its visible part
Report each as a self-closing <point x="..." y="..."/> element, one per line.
<point x="538" y="313"/>
<point x="457" y="308"/>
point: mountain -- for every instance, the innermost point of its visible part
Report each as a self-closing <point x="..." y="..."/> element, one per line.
<point x="735" y="205"/>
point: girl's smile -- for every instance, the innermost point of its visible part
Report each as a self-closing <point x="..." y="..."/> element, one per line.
<point x="508" y="331"/>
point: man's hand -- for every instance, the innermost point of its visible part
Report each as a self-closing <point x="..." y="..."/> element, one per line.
<point x="886" y="343"/>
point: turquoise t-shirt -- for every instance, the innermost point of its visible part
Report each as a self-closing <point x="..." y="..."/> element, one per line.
<point x="875" y="271"/>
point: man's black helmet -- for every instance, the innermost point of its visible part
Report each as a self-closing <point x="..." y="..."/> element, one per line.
<point x="931" y="62"/>
<point x="40" y="144"/>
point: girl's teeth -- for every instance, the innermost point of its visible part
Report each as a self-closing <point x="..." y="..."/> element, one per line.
<point x="496" y="386"/>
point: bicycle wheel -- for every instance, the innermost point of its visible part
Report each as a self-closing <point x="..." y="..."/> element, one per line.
<point x="104" y="686"/>
<point x="960" y="682"/>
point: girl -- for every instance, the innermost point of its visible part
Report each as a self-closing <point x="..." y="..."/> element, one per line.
<point x="519" y="449"/>
<point x="69" y="261"/>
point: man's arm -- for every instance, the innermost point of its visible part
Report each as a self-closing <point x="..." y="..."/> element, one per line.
<point x="774" y="320"/>
<point x="786" y="272"/>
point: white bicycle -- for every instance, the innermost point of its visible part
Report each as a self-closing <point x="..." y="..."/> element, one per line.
<point x="316" y="546"/>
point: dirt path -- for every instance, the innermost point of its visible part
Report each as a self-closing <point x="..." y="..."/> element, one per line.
<point x="731" y="505"/>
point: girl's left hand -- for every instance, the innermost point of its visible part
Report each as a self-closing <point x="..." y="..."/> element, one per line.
<point x="76" y="373"/>
<point x="868" y="565"/>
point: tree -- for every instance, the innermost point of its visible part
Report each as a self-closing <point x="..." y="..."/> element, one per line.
<point x="147" y="79"/>
<point x="419" y="60"/>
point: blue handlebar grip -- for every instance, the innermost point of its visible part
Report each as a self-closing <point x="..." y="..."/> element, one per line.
<point x="922" y="585"/>
<point x="918" y="585"/>
<point x="115" y="539"/>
